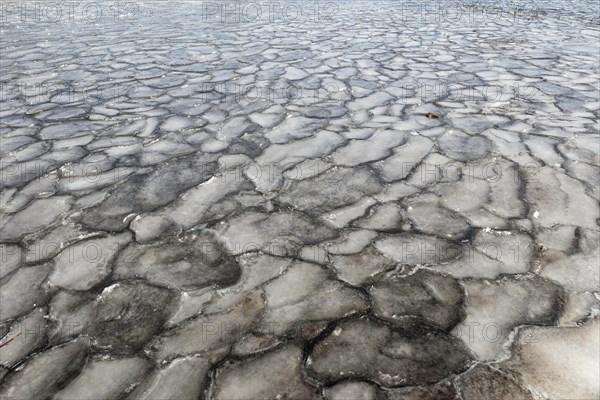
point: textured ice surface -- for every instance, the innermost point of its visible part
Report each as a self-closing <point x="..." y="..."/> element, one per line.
<point x="351" y="390"/>
<point x="102" y="379"/>
<point x="87" y="263"/>
<point x="483" y="380"/>
<point x="391" y="356"/>
<point x="488" y="325"/>
<point x="238" y="380"/>
<point x="305" y="294"/>
<point x="436" y="299"/>
<point x="185" y="378"/>
<point x="184" y="263"/>
<point x="344" y="200"/>
<point x="557" y="362"/>
<point x="44" y="373"/>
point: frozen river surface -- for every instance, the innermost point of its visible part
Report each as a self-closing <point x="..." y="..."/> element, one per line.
<point x="299" y="200"/>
